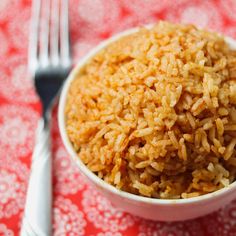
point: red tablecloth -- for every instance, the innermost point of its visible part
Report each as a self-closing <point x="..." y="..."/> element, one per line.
<point x="78" y="209"/>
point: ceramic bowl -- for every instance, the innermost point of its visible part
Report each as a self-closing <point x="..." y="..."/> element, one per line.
<point x="154" y="209"/>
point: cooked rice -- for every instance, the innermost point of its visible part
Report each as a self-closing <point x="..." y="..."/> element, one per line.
<point x="154" y="112"/>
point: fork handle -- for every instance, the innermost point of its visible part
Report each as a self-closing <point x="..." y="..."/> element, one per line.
<point x="37" y="215"/>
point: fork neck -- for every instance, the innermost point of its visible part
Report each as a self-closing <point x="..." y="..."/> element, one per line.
<point x="48" y="86"/>
<point x="46" y="117"/>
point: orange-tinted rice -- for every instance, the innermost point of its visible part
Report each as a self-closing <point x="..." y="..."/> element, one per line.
<point x="154" y="112"/>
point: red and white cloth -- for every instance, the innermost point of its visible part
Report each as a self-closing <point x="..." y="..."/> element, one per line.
<point x="78" y="209"/>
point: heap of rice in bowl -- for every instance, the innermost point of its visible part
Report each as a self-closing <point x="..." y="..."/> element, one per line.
<point x="154" y="113"/>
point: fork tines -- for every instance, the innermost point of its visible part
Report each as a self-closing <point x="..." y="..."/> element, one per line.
<point x="49" y="44"/>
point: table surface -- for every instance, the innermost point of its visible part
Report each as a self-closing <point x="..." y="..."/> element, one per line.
<point x="77" y="208"/>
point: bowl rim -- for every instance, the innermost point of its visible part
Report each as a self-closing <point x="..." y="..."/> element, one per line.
<point x="93" y="177"/>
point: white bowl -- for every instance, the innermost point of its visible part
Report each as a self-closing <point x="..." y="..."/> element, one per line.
<point x="154" y="209"/>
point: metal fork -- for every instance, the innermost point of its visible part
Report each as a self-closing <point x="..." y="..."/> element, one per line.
<point x="49" y="62"/>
